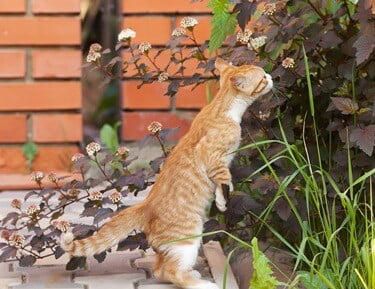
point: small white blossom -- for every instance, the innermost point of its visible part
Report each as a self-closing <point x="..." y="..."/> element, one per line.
<point x="257" y="42"/>
<point x="16" y="203"/>
<point x="145" y="47"/>
<point x="96" y="196"/>
<point x="73" y="193"/>
<point x="269" y="9"/>
<point x="288" y="63"/>
<point x="264" y="115"/>
<point x="52" y="177"/>
<point x="123" y="151"/>
<point x="244" y="36"/>
<point x="16" y="240"/>
<point x="115" y="197"/>
<point x="163" y="77"/>
<point x="37" y="176"/>
<point x="126" y="34"/>
<point x="177" y="32"/>
<point x="155" y="127"/>
<point x="32" y="209"/>
<point x="188" y="22"/>
<point x="93" y="56"/>
<point x="77" y="156"/>
<point x="62" y="226"/>
<point x="96" y="47"/>
<point x="93" y="148"/>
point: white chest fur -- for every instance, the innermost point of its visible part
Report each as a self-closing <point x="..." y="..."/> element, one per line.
<point x="238" y="108"/>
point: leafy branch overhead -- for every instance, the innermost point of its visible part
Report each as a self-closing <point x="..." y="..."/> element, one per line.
<point x="223" y="22"/>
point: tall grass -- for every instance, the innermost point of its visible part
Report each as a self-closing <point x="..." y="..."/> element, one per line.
<point x="337" y="248"/>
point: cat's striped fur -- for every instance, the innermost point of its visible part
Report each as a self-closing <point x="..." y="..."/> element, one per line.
<point x="196" y="168"/>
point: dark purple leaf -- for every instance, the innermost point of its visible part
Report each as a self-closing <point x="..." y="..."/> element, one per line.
<point x="27" y="261"/>
<point x="364" y="45"/>
<point x="75" y="263"/>
<point x="364" y="138"/>
<point x="89" y="212"/>
<point x="103" y="214"/>
<point x="100" y="257"/>
<point x="245" y="10"/>
<point x="59" y="252"/>
<point x="344" y="104"/>
<point x="9" y="252"/>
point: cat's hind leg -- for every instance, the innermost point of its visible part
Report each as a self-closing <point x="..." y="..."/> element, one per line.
<point x="175" y="263"/>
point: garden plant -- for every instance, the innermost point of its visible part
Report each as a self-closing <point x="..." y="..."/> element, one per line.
<point x="304" y="174"/>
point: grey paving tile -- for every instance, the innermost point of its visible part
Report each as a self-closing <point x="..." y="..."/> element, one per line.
<point x="216" y="260"/>
<point x="115" y="263"/>
<point x="111" y="281"/>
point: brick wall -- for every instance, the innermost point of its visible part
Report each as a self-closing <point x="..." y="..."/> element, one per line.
<point x="154" y="21"/>
<point x="40" y="89"/>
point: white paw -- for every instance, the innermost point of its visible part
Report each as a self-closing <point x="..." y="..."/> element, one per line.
<point x="209" y="285"/>
<point x="203" y="285"/>
<point x="195" y="274"/>
<point x="231" y="189"/>
<point x="221" y="206"/>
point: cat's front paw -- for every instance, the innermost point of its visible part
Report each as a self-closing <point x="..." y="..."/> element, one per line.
<point x="222" y="207"/>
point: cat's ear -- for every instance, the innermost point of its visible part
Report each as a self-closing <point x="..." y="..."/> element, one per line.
<point x="221" y="64"/>
<point x="239" y="81"/>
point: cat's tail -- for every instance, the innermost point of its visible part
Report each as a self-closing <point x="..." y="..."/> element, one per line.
<point x="113" y="232"/>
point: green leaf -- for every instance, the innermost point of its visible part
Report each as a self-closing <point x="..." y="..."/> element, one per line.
<point x="223" y="23"/>
<point x="262" y="275"/>
<point x="109" y="137"/>
<point x="30" y="151"/>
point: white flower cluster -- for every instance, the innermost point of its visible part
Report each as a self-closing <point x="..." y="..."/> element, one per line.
<point x="96" y="196"/>
<point x="123" y="151"/>
<point x="264" y="115"/>
<point x="126" y="34"/>
<point x="244" y="36"/>
<point x="94" y="53"/>
<point x="177" y="32"/>
<point x="62" y="226"/>
<point x="257" y="42"/>
<point x="145" y="47"/>
<point x="288" y="63"/>
<point x="115" y="197"/>
<point x="188" y="22"/>
<point x="77" y="156"/>
<point x="163" y="77"/>
<point x="16" y="240"/>
<point x="155" y="127"/>
<point x="37" y="176"/>
<point x="73" y="193"/>
<point x="32" y="209"/>
<point x="269" y="9"/>
<point x="16" y="203"/>
<point x="93" y="148"/>
<point x="52" y="177"/>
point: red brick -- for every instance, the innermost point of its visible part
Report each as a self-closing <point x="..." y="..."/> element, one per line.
<point x="40" y="31"/>
<point x="164" y="6"/>
<point x="40" y="96"/>
<point x="12" y="63"/>
<point x="12" y="6"/>
<point x="49" y="158"/>
<point x="57" y="127"/>
<point x="57" y="63"/>
<point x="149" y="96"/>
<point x="202" y="31"/>
<point x="186" y="98"/>
<point x="156" y="30"/>
<point x="12" y="128"/>
<point x="56" y="6"/>
<point x="135" y="123"/>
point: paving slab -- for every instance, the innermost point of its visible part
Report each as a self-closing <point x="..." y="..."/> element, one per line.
<point x="123" y="281"/>
<point x="216" y="260"/>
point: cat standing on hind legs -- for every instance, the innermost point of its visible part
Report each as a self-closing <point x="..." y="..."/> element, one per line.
<point x="195" y="170"/>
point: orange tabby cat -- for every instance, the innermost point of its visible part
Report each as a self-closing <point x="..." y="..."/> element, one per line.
<point x="196" y="168"/>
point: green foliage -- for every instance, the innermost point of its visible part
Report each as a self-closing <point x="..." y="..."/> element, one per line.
<point x="262" y="275"/>
<point x="30" y="151"/>
<point x="109" y="137"/>
<point x="223" y="23"/>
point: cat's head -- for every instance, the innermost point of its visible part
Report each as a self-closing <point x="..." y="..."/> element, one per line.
<point x="250" y="80"/>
